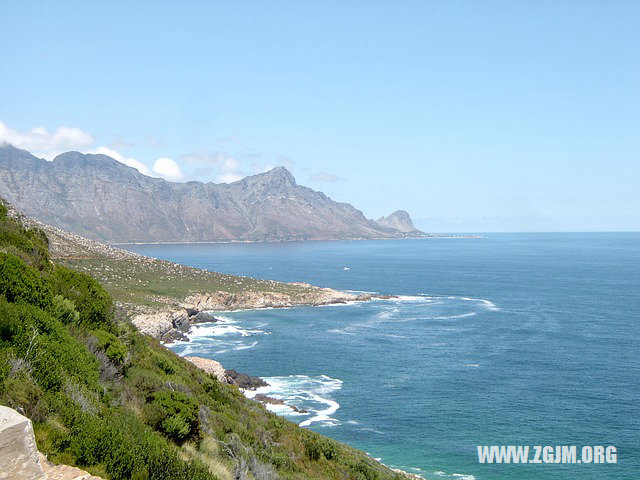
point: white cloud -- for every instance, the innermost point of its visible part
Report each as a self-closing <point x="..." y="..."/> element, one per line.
<point x="131" y="162"/>
<point x="262" y="168"/>
<point x="228" y="168"/>
<point x="43" y="143"/>
<point x="167" y="169"/>
<point x="229" y="177"/>
<point x="326" y="178"/>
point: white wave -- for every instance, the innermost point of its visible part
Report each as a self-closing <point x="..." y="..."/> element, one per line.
<point x="222" y="329"/>
<point x="369" y="429"/>
<point x="408" y="298"/>
<point x="346" y="303"/>
<point x="310" y="393"/>
<point x="245" y="346"/>
<point x="387" y="314"/>
<point x="489" y="305"/>
<point x="450" y="317"/>
<point x="341" y="331"/>
<point x="323" y="415"/>
<point x="457" y="476"/>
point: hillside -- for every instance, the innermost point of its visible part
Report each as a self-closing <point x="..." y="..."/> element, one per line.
<point x="97" y="197"/>
<point x="120" y="405"/>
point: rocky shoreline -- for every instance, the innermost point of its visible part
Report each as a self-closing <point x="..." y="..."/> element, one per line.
<point x="241" y="380"/>
<point x="174" y="325"/>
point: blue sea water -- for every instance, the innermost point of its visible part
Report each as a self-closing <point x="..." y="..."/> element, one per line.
<point x="513" y="339"/>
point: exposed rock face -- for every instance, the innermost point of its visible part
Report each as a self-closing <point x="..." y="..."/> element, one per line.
<point x="153" y="324"/>
<point x="97" y="197"/>
<point x="210" y="366"/>
<point x="169" y="326"/>
<point x="19" y="456"/>
<point x="18" y="451"/>
<point x="398" y="220"/>
<point x="244" y="300"/>
<point x="64" y="472"/>
<point x="245" y="381"/>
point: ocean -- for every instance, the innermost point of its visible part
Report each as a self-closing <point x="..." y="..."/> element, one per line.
<point x="512" y="339"/>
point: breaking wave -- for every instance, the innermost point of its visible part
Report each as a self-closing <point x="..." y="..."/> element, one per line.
<point x="311" y="395"/>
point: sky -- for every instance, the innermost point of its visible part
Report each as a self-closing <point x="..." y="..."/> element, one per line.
<point x="472" y="116"/>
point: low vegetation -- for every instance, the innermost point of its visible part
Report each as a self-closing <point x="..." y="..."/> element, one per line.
<point x="120" y="405"/>
<point x="140" y="283"/>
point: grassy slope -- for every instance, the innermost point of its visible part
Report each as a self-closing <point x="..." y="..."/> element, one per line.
<point x="137" y="281"/>
<point x="119" y="404"/>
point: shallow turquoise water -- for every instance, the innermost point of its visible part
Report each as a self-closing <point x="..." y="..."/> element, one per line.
<point x="513" y="339"/>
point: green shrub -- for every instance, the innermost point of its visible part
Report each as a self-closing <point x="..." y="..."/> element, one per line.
<point x="22" y="283"/>
<point x="29" y="244"/>
<point x="166" y="365"/>
<point x="115" y="350"/>
<point x="92" y="302"/>
<point x="64" y="310"/>
<point x="40" y="339"/>
<point x="173" y="413"/>
<point x="318" y="447"/>
<point x="143" y="381"/>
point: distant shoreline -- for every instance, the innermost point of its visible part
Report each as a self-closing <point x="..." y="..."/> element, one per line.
<point x="223" y="242"/>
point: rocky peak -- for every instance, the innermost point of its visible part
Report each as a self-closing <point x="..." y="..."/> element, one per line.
<point x="97" y="197"/>
<point x="277" y="175"/>
<point x="77" y="158"/>
<point x="400" y="220"/>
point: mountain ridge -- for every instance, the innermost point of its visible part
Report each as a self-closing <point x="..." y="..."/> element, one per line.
<point x="96" y="196"/>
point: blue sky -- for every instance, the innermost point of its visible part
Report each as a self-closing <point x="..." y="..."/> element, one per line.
<point x="473" y="116"/>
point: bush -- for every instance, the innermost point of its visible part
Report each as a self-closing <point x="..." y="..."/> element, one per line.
<point x="317" y="447"/>
<point x="40" y="339"/>
<point x="22" y="283"/>
<point x="115" y="350"/>
<point x="173" y="413"/>
<point x="92" y="302"/>
<point x="29" y="244"/>
<point x="64" y="310"/>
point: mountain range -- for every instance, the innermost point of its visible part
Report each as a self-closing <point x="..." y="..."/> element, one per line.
<point x="100" y="198"/>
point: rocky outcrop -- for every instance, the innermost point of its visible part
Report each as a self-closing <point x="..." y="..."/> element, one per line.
<point x="173" y="325"/>
<point x="156" y="325"/>
<point x="250" y="300"/>
<point x="18" y="451"/>
<point x="97" y="197"/>
<point x="64" y="472"/>
<point x="19" y="456"/>
<point x="244" y="381"/>
<point x="210" y="366"/>
<point x="398" y="220"/>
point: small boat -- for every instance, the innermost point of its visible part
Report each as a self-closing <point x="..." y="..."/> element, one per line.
<point x="346" y="268"/>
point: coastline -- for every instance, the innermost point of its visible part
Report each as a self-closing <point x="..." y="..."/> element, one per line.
<point x="164" y="299"/>
<point x="172" y="324"/>
<point x="300" y="240"/>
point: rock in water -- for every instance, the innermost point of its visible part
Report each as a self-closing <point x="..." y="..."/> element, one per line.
<point x="245" y="381"/>
<point x="18" y="452"/>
